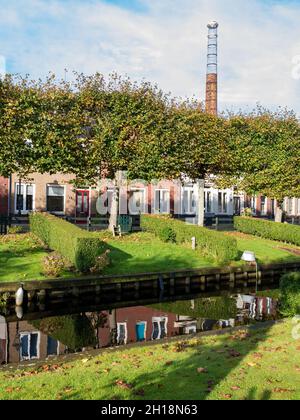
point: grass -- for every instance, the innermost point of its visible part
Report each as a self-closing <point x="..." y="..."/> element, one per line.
<point x="20" y="258"/>
<point x="21" y="255"/>
<point x="263" y="364"/>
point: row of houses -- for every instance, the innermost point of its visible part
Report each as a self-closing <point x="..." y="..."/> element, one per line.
<point x="56" y="194"/>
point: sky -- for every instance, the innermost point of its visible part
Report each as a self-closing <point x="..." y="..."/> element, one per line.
<point x="161" y="41"/>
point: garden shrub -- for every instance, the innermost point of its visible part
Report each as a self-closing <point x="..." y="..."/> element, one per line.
<point x="102" y="262"/>
<point x="167" y="235"/>
<point x="54" y="264"/>
<point x="290" y="295"/>
<point x="282" y="232"/>
<point x="216" y="245"/>
<point x="79" y="247"/>
<point x="14" y="230"/>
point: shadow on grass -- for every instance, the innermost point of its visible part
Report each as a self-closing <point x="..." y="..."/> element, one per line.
<point x="182" y="380"/>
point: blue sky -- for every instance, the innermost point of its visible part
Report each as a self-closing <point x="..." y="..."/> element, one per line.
<point x="163" y="41"/>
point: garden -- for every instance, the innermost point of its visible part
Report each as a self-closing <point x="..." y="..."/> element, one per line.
<point x="55" y="248"/>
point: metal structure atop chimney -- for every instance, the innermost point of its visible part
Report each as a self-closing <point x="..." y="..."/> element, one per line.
<point x="212" y="69"/>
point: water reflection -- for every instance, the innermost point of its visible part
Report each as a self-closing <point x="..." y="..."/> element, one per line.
<point x="41" y="339"/>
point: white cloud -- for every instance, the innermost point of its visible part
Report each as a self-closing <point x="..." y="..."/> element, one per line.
<point x="166" y="44"/>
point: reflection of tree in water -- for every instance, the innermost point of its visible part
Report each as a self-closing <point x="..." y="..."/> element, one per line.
<point x="220" y="307"/>
<point x="98" y="320"/>
<point x="73" y="331"/>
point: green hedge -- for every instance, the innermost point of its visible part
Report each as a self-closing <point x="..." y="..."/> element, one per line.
<point x="290" y="294"/>
<point x="282" y="232"/>
<point x="212" y="244"/>
<point x="79" y="247"/>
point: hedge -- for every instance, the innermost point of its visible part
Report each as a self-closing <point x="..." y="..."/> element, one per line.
<point x="290" y="295"/>
<point x="282" y="232"/>
<point x="212" y="244"/>
<point x="79" y="247"/>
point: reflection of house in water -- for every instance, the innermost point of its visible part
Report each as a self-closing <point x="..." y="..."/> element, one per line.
<point x="255" y="307"/>
<point x="136" y="325"/>
<point x="24" y="342"/>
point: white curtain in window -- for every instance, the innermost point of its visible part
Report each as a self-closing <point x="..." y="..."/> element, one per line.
<point x="54" y="191"/>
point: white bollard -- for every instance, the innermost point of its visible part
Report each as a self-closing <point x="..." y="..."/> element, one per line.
<point x="20" y="296"/>
<point x="194" y="244"/>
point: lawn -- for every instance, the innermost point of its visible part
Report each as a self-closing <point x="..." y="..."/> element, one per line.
<point x="263" y="364"/>
<point x="20" y="258"/>
<point x="21" y="255"/>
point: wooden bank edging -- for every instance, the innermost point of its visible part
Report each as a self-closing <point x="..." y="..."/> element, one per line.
<point x="203" y="280"/>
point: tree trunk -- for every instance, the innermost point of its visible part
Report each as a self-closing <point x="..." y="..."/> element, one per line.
<point x="113" y="328"/>
<point x="115" y="205"/>
<point x="279" y="213"/>
<point x="200" y="204"/>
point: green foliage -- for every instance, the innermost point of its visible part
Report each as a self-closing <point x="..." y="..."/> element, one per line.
<point x="212" y="244"/>
<point x="167" y="235"/>
<point x="268" y="230"/>
<point x="74" y="331"/>
<point x="290" y="295"/>
<point x="263" y="153"/>
<point x="14" y="230"/>
<point x="79" y="247"/>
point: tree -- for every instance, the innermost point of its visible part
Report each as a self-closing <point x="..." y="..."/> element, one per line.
<point x="264" y="155"/>
<point x="92" y="128"/>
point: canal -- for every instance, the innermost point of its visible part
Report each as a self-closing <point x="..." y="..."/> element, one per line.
<point x="56" y="329"/>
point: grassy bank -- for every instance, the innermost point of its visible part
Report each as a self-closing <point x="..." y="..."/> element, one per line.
<point x="262" y="364"/>
<point x="21" y="255"/>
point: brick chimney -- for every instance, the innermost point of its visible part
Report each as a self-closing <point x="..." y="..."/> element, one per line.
<point x="212" y="69"/>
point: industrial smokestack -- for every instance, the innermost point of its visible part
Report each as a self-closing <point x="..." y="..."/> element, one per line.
<point x="212" y="69"/>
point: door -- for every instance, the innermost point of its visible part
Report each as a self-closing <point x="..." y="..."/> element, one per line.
<point x="82" y="203"/>
<point x="141" y="331"/>
<point x="24" y="198"/>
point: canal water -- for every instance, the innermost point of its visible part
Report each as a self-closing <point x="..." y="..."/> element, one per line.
<point x="45" y="333"/>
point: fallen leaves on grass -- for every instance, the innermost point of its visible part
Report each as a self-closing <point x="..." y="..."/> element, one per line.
<point x="123" y="384"/>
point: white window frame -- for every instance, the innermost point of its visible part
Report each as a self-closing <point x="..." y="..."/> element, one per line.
<point x="119" y="324"/>
<point x="211" y="195"/>
<point x="24" y="186"/>
<point x="60" y="213"/>
<point x="143" y="190"/>
<point x="29" y="333"/>
<point x="191" y="196"/>
<point x="155" y="200"/>
<point x="264" y="209"/>
<point x="253" y="204"/>
<point x="222" y="211"/>
<point x="158" y="320"/>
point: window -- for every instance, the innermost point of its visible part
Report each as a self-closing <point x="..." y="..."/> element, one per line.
<point x="52" y="347"/>
<point x="189" y="201"/>
<point x="159" y="328"/>
<point x="253" y="204"/>
<point x="208" y="202"/>
<point x="289" y="206"/>
<point x="137" y="201"/>
<point x="162" y="201"/>
<point x="222" y="202"/>
<point x="263" y="206"/>
<point x="55" y="199"/>
<point x="121" y="334"/>
<point x="24" y="200"/>
<point x="29" y="348"/>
